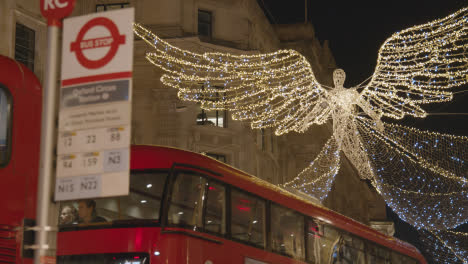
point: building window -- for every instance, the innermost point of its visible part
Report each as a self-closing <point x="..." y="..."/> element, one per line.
<point x="212" y="118"/>
<point x="108" y="7"/>
<point x="25" y="45"/>
<point x="204" y="23"/>
<point x="219" y="157"/>
<point x="5" y="126"/>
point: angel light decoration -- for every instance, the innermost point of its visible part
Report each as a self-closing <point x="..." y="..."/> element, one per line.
<point x="421" y="175"/>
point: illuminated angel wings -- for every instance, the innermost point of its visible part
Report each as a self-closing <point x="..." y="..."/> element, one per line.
<point x="415" y="66"/>
<point x="270" y="90"/>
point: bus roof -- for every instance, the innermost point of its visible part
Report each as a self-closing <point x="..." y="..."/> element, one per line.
<point x="147" y="157"/>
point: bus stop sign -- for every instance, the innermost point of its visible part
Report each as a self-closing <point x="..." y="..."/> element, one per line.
<point x="93" y="148"/>
<point x="114" y="41"/>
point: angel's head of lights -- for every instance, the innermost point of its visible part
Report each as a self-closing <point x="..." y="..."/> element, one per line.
<point x="339" y="77"/>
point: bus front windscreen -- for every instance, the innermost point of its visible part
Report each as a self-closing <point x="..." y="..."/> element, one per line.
<point x="143" y="202"/>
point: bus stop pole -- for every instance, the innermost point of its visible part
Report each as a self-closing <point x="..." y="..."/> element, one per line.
<point x="47" y="144"/>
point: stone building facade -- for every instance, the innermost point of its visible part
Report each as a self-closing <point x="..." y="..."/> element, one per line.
<point x="160" y="118"/>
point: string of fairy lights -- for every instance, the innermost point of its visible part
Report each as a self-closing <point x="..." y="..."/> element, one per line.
<point x="421" y="175"/>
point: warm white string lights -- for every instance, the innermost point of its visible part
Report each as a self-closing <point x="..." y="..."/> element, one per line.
<point x="421" y="175"/>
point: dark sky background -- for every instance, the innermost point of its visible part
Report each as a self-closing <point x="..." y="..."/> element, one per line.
<point x="355" y="31"/>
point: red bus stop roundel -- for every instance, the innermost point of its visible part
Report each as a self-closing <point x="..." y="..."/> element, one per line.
<point x="114" y="40"/>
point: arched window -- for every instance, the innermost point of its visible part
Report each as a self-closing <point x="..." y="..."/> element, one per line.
<point x="5" y="125"/>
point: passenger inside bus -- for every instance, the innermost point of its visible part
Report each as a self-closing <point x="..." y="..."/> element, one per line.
<point x="68" y="215"/>
<point x="87" y="212"/>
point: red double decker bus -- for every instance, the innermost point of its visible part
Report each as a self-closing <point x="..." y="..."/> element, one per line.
<point x="184" y="207"/>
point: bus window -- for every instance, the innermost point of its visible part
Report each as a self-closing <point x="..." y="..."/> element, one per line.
<point x="143" y="201"/>
<point x="383" y="254"/>
<point x="215" y="209"/>
<point x="397" y="258"/>
<point x="342" y="247"/>
<point x="248" y="218"/>
<point x="348" y="249"/>
<point x="358" y="247"/>
<point x="377" y="254"/>
<point x="287" y="232"/>
<point x="5" y="125"/>
<point x="314" y="235"/>
<point x="187" y="198"/>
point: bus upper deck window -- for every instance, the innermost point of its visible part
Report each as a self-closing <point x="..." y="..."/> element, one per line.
<point x="248" y="218"/>
<point x="187" y="201"/>
<point x="5" y="125"/>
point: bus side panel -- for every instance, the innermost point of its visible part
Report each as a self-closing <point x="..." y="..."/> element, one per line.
<point x="173" y="249"/>
<point x="162" y="248"/>
<point x="27" y="142"/>
<point x="19" y="177"/>
<point x="202" y="251"/>
<point x="12" y="183"/>
<point x="241" y="253"/>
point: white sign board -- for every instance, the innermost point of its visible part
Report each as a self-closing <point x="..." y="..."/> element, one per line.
<point x="95" y="106"/>
<point x="97" y="44"/>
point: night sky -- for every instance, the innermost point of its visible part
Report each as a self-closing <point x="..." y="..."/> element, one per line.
<point x="355" y="31"/>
